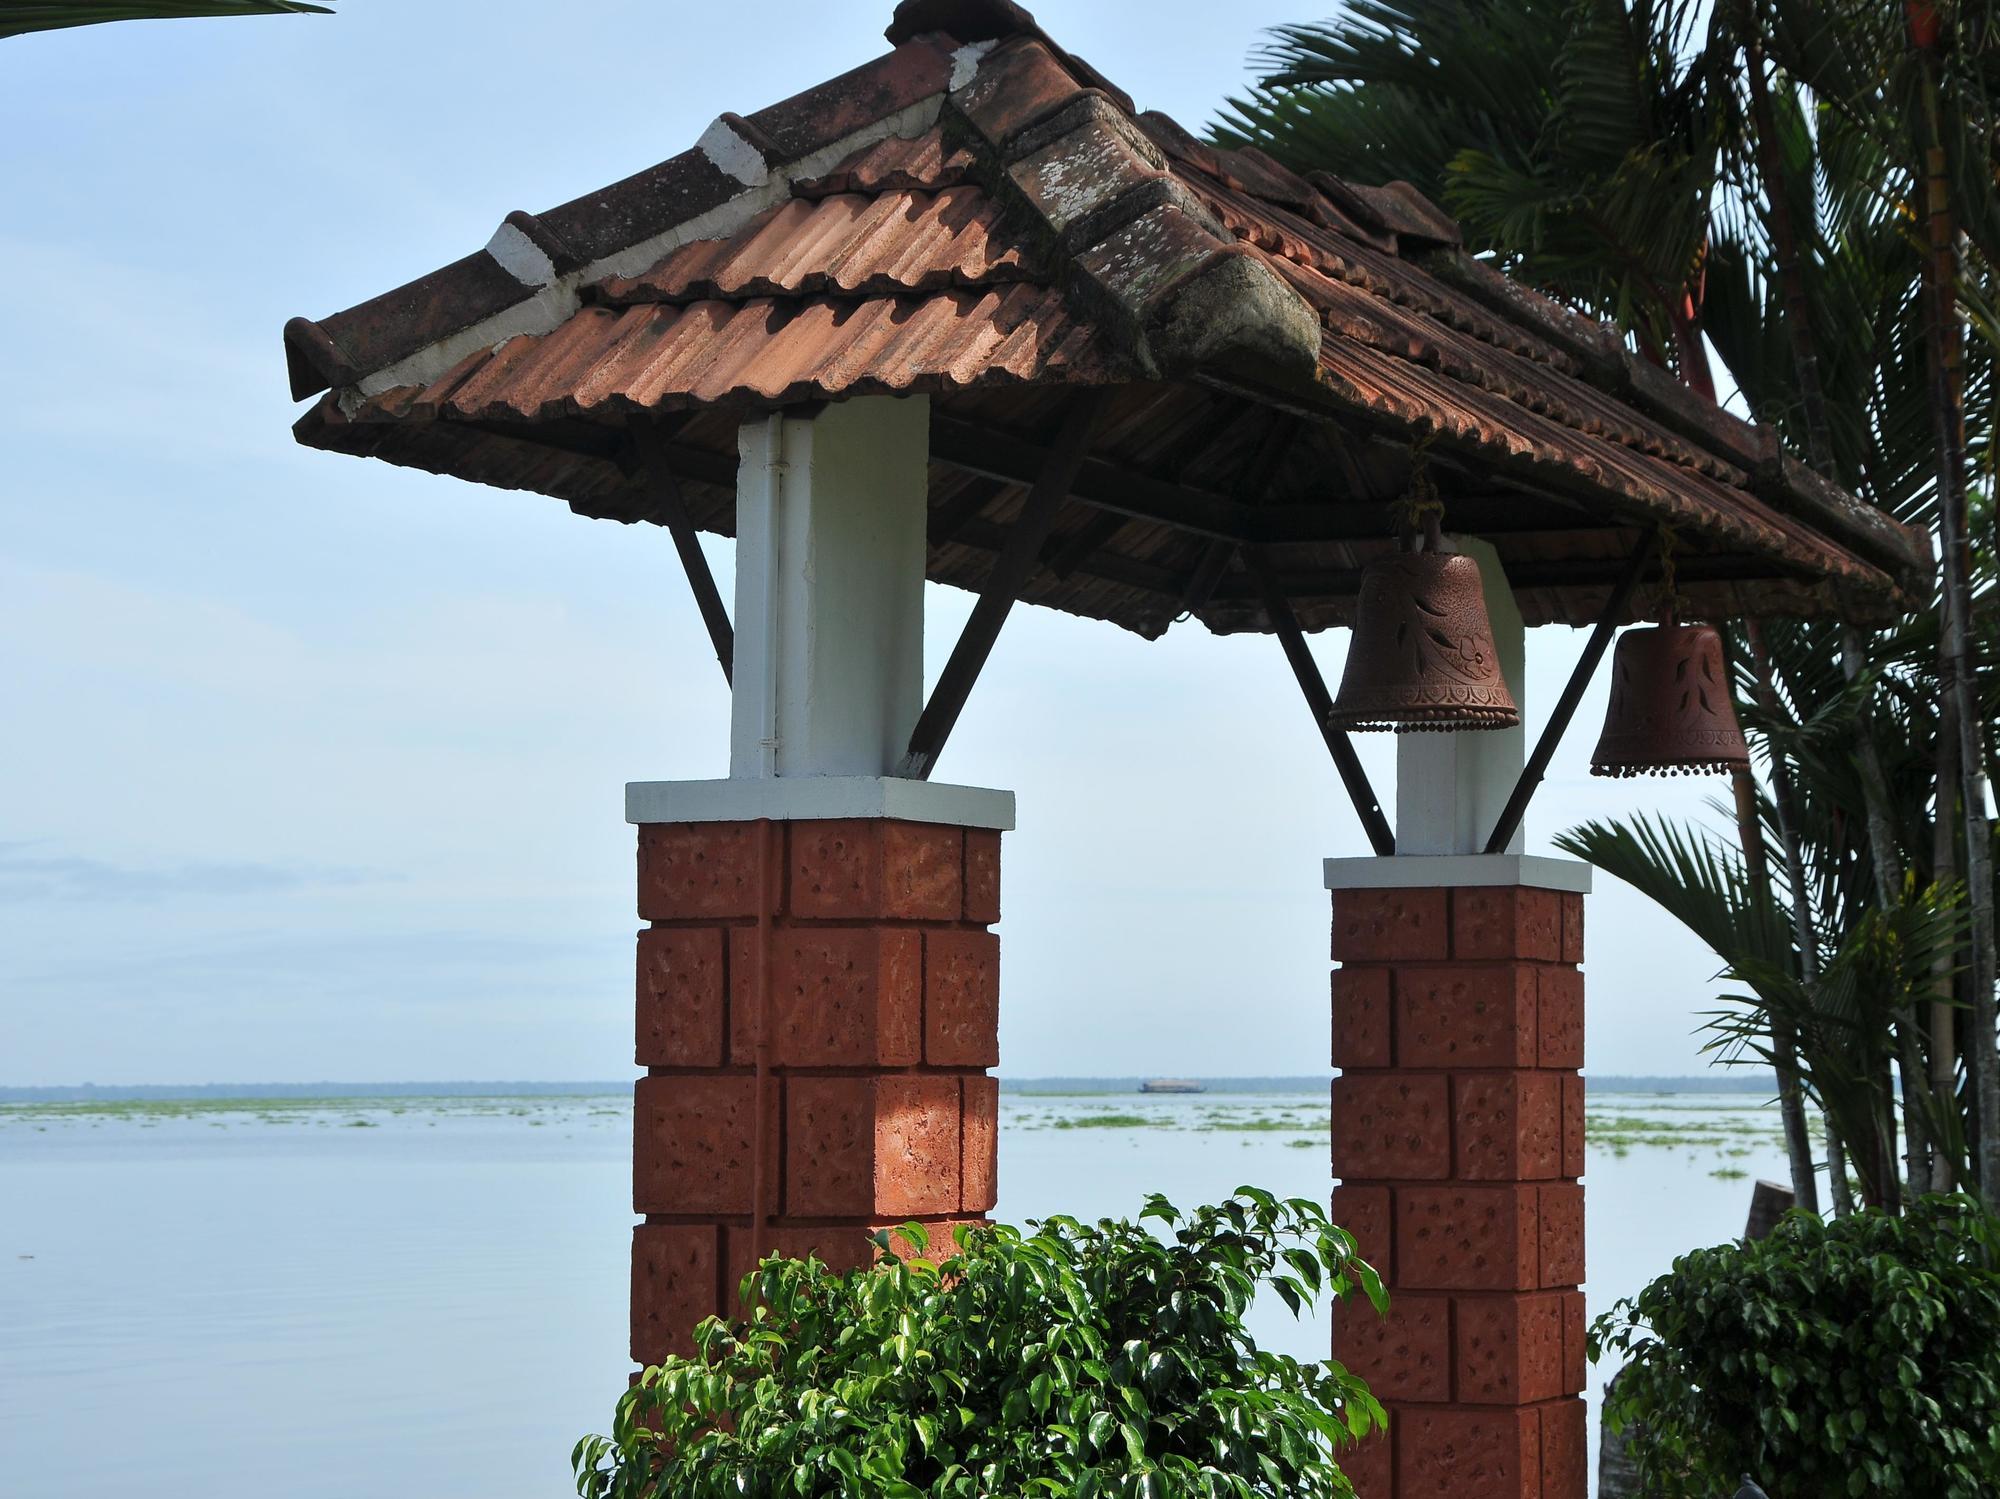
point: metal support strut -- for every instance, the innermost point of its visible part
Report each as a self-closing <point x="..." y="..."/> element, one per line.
<point x="670" y="510"/>
<point x="1565" y="709"/>
<point x="1016" y="563"/>
<point x="1367" y="806"/>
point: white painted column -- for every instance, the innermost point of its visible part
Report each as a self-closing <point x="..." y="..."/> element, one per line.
<point x="829" y="660"/>
<point x="1450" y="788"/>
<point x="830" y="550"/>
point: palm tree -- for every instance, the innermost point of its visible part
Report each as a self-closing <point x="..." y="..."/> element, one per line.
<point x="1578" y="141"/>
<point x="1749" y="173"/>
<point x="18" y="16"/>
<point x="1840" y="1017"/>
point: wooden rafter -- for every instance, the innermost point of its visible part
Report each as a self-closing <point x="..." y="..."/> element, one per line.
<point x="1242" y="518"/>
<point x="1207" y="575"/>
<point x="1068" y="554"/>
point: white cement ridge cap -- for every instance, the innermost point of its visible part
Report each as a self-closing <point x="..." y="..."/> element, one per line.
<point x="818" y="799"/>
<point x="1434" y="871"/>
<point x="732" y="155"/>
<point x="520" y="257"/>
<point x="559" y="298"/>
<point x="965" y="62"/>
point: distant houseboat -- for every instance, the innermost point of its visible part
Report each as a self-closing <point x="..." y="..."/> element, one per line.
<point x="1171" y="1085"/>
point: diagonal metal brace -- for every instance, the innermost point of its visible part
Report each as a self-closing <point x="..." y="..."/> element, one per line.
<point x="1572" y="693"/>
<point x="1367" y="806"/>
<point x="670" y="510"/>
<point x="1011" y="570"/>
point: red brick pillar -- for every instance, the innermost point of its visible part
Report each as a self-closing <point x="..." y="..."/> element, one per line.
<point x="818" y="1002"/>
<point x="1458" y="1144"/>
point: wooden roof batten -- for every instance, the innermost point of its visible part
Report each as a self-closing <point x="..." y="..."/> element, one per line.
<point x="982" y="217"/>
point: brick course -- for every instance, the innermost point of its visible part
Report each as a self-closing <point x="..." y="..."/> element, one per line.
<point x="1458" y="1022"/>
<point x="1376" y="926"/>
<point x="1458" y="1452"/>
<point x="1391" y="1125"/>
<point x="680" y="998"/>
<point x="1405" y="1355"/>
<point x="868" y="937"/>
<point x="1466" y="1015"/>
<point x="1361" y="1017"/>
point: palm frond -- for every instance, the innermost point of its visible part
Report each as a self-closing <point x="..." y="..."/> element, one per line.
<point x="17" y="17"/>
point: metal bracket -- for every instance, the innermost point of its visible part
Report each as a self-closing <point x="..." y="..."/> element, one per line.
<point x="1011" y="570"/>
<point x="1565" y="709"/>
<point x="670" y="510"/>
<point x="1367" y="806"/>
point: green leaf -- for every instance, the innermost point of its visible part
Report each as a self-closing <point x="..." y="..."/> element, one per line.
<point x="999" y="1376"/>
<point x="21" y="16"/>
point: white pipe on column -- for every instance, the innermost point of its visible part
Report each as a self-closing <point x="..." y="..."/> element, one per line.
<point x="774" y="488"/>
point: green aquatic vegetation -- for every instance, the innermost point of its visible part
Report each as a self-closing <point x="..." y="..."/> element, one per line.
<point x="1267" y="1125"/>
<point x="1306" y="1144"/>
<point x="1111" y="1121"/>
<point x="362" y="1124"/>
<point x="1621" y="1132"/>
<point x="1729" y="1173"/>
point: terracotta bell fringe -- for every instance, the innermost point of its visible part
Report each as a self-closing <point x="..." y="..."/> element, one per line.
<point x="1671" y="712"/>
<point x="1422" y="657"/>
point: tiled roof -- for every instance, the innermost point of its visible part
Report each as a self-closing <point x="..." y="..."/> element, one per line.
<point x="979" y="213"/>
<point x="665" y="356"/>
<point x="853" y="244"/>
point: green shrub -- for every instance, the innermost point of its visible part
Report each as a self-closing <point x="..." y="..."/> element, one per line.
<point x="1860" y="1356"/>
<point x="1088" y="1360"/>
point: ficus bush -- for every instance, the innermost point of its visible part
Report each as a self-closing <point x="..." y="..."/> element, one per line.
<point x="1087" y="1360"/>
<point x="1860" y="1356"/>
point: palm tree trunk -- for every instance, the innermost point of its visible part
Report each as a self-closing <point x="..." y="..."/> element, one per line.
<point x="1804" y="343"/>
<point x="1955" y="568"/>
<point x="1784" y="1044"/>
<point x="1803" y="937"/>
<point x="1836" y="1170"/>
<point x="1944" y="977"/>
<point x="1888" y="1175"/>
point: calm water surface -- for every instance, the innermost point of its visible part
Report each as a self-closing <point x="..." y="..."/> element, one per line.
<point x="408" y="1296"/>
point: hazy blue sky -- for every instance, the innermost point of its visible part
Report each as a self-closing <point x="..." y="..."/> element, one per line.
<point x="313" y="766"/>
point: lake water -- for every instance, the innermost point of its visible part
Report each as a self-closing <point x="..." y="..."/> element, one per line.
<point x="338" y="1299"/>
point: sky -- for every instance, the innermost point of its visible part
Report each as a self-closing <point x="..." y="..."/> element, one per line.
<point x="312" y="767"/>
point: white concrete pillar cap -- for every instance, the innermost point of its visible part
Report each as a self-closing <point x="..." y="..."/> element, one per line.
<point x="1430" y="871"/>
<point x="818" y="799"/>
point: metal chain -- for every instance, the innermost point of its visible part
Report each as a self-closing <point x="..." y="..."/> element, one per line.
<point x="1420" y="510"/>
<point x="1669" y="603"/>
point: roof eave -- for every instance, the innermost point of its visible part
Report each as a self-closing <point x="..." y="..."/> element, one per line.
<point x="740" y="165"/>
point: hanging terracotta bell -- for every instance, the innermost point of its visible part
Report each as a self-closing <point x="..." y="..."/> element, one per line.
<point x="1422" y="656"/>
<point x="1670" y="712"/>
